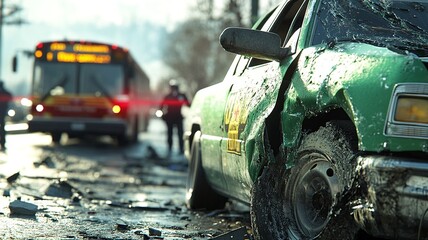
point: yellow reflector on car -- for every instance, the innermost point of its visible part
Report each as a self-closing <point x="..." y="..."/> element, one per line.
<point x="412" y="109"/>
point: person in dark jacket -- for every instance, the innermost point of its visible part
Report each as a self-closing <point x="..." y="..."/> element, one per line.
<point x="171" y="107"/>
<point x="5" y="98"/>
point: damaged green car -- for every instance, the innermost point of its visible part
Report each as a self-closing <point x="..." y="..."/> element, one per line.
<point x="321" y="123"/>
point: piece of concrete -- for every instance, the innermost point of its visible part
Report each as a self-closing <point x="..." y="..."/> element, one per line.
<point x="61" y="189"/>
<point x="12" y="178"/>
<point x="122" y="225"/>
<point x="154" y="232"/>
<point x="23" y="208"/>
<point x="237" y="234"/>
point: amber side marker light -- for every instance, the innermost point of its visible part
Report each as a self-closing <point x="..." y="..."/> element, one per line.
<point x="412" y="109"/>
<point x="116" y="109"/>
<point x="38" y="54"/>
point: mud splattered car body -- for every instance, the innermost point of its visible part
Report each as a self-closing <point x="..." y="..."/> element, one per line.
<point x="352" y="71"/>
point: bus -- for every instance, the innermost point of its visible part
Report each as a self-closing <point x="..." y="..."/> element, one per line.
<point x="88" y="88"/>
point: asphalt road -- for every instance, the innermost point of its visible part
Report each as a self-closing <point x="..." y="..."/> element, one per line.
<point x="94" y="189"/>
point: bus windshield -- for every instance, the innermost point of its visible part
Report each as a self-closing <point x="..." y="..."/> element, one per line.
<point x="101" y="80"/>
<point x="53" y="79"/>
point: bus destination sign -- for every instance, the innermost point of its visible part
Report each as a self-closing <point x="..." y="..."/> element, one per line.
<point x="74" y="53"/>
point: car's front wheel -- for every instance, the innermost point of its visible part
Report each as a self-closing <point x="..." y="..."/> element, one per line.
<point x="308" y="200"/>
<point x="199" y="194"/>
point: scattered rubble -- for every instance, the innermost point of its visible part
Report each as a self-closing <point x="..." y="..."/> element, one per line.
<point x="46" y="161"/>
<point x="236" y="234"/>
<point x="12" y="178"/>
<point x="61" y="189"/>
<point x="154" y="232"/>
<point x="23" y="208"/>
<point x="122" y="225"/>
<point x="70" y="195"/>
<point x="6" y="192"/>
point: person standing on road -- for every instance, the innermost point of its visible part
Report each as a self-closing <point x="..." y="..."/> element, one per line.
<point x="171" y="108"/>
<point x="5" y="98"/>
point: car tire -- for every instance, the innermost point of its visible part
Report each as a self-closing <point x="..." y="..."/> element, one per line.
<point x="310" y="199"/>
<point x="199" y="194"/>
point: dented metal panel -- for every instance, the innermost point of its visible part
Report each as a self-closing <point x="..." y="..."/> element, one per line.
<point x="351" y="57"/>
<point x="358" y="78"/>
<point x="393" y="196"/>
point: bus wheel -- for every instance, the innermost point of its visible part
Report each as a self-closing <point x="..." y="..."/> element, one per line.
<point x="199" y="194"/>
<point x="309" y="200"/>
<point x="135" y="132"/>
<point x="122" y="140"/>
<point x="56" y="137"/>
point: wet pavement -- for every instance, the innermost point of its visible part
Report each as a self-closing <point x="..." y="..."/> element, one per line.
<point x="95" y="189"/>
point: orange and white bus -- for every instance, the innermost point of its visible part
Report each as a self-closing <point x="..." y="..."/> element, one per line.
<point x="81" y="88"/>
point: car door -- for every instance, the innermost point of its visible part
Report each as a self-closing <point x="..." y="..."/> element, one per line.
<point x="214" y="130"/>
<point x="252" y="97"/>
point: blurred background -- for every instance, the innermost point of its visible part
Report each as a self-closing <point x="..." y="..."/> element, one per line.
<point x="169" y="39"/>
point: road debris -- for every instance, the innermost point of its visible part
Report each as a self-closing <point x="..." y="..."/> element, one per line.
<point x="122" y="225"/>
<point x="61" y="189"/>
<point x="96" y="191"/>
<point x="12" y="178"/>
<point x="45" y="161"/>
<point x="23" y="208"/>
<point x="154" y="232"/>
<point x="6" y="193"/>
<point x="236" y="234"/>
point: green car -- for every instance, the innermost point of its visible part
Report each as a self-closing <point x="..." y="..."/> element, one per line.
<point x="321" y="123"/>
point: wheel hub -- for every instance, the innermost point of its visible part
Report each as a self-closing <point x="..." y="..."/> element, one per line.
<point x="321" y="199"/>
<point x="313" y="198"/>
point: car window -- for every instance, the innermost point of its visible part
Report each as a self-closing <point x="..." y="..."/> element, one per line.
<point x="292" y="41"/>
<point x="242" y="63"/>
<point x="297" y="23"/>
<point x="285" y="25"/>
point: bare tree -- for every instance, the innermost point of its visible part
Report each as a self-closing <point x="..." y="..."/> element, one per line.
<point x="196" y="56"/>
<point x="193" y="50"/>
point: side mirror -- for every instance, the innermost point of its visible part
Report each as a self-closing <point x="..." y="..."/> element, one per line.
<point x="253" y="43"/>
<point x="15" y="64"/>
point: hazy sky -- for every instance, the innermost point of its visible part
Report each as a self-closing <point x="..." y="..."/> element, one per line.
<point x="111" y="21"/>
<point x="105" y="12"/>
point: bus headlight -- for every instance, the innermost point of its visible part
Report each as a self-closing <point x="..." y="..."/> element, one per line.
<point x="11" y="113"/>
<point x="412" y="109"/>
<point x="39" y="108"/>
<point x="26" y="102"/>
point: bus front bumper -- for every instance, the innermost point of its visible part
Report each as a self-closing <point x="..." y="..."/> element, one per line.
<point x="79" y="126"/>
